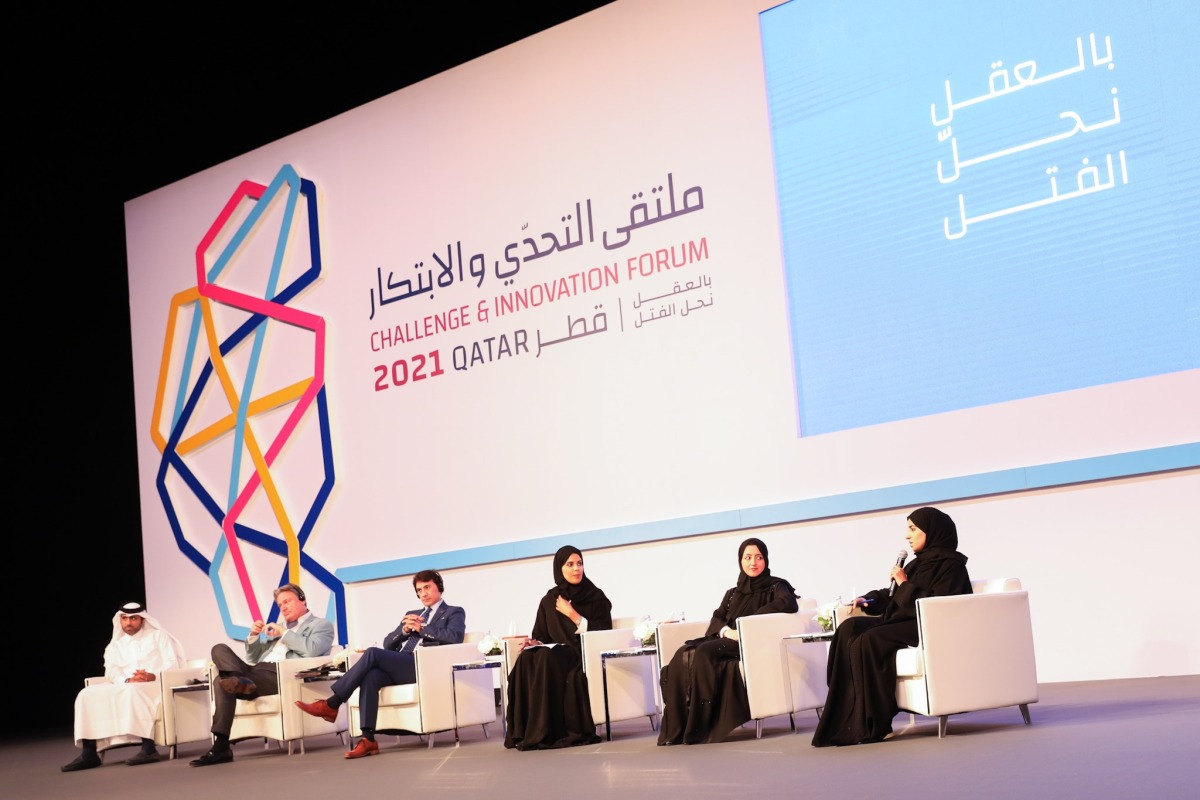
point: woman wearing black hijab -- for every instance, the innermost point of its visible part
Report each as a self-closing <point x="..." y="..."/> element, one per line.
<point x="548" y="702"/>
<point x="704" y="697"/>
<point x="862" y="657"/>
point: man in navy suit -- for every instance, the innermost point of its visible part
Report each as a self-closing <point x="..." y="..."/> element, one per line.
<point x="434" y="623"/>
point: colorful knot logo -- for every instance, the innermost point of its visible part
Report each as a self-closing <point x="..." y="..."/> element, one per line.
<point x="243" y="373"/>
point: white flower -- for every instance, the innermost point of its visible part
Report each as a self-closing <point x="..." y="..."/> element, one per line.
<point x="644" y="631"/>
<point x="489" y="645"/>
<point x="825" y="616"/>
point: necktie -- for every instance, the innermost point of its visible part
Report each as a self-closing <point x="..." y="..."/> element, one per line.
<point x="412" y="641"/>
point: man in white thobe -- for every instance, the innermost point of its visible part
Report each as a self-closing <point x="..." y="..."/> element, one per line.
<point x="124" y="709"/>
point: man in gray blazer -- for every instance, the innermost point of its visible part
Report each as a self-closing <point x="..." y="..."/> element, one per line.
<point x="434" y="623"/>
<point x="303" y="635"/>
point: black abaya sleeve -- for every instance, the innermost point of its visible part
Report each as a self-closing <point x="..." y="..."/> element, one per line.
<point x="782" y="600"/>
<point x="942" y="577"/>
<point x="541" y="630"/>
<point x="720" y="615"/>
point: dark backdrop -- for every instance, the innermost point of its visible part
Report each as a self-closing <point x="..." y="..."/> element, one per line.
<point x="102" y="109"/>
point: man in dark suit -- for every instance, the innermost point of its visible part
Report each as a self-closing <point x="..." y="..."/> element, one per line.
<point x="302" y="634"/>
<point x="433" y="624"/>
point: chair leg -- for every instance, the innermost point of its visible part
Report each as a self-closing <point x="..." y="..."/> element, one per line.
<point x="485" y="733"/>
<point x="942" y="726"/>
<point x="653" y="721"/>
<point x="431" y="741"/>
<point x="758" y="729"/>
<point x="1025" y="713"/>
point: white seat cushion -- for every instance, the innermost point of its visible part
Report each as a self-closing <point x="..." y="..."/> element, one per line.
<point x="398" y="694"/>
<point x="909" y="663"/>
<point x="267" y="704"/>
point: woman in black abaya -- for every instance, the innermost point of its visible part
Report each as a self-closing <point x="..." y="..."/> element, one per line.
<point x="548" y="702"/>
<point x="862" y="657"/>
<point x="704" y="697"/>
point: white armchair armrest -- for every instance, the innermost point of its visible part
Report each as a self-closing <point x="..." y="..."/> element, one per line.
<point x="670" y="636"/>
<point x="190" y="720"/>
<point x="297" y="724"/>
<point x="435" y="691"/>
<point x="781" y="679"/>
<point x="631" y="681"/>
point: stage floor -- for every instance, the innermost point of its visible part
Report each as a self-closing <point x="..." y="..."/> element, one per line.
<point x="1095" y="739"/>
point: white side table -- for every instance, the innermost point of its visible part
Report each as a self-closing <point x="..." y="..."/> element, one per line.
<point x="190" y="689"/>
<point x="488" y="662"/>
<point x="822" y="637"/>
<point x="631" y="652"/>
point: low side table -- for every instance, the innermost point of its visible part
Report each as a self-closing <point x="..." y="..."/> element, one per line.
<point x="311" y="689"/>
<point x="188" y="688"/>
<point x="630" y="652"/>
<point x="822" y="637"/>
<point x="486" y="663"/>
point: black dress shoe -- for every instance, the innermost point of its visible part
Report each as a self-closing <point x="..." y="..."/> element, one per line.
<point x="213" y="757"/>
<point x="83" y="761"/>
<point x="144" y="758"/>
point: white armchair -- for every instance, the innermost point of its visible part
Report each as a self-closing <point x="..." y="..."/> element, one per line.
<point x="782" y="677"/>
<point x="975" y="652"/>
<point x="438" y="701"/>
<point x="632" y="682"/>
<point x="779" y="679"/>
<point x="276" y="716"/>
<point x="171" y="728"/>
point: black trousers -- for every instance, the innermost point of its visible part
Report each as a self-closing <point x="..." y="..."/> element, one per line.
<point x="230" y="664"/>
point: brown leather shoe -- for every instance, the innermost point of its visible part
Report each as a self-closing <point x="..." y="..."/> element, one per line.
<point x="365" y="747"/>
<point x="238" y="686"/>
<point x="318" y="709"/>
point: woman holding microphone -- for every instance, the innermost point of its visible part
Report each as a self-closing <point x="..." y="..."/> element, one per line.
<point x="862" y="657"/>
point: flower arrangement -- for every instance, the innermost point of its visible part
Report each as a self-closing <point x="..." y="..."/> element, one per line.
<point x="825" y="617"/>
<point x="645" y="630"/>
<point x="489" y="645"/>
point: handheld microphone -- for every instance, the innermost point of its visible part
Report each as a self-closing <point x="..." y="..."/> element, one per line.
<point x="899" y="563"/>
